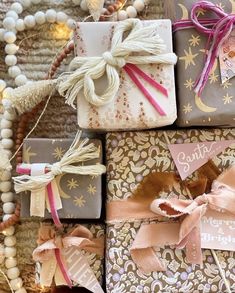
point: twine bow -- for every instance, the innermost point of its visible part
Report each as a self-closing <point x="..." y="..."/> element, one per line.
<point x="220" y="29"/>
<point x="121" y="55"/>
<point x="62" y="258"/>
<point x="78" y="153"/>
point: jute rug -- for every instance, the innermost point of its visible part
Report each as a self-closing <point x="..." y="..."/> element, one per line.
<point x="38" y="48"/>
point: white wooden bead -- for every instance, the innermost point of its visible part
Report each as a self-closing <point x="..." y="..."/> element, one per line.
<point x="7" y="197"/>
<point x="131" y="11"/>
<point x="76" y="2"/>
<point x="2" y="32"/>
<point x="9" y="37"/>
<point x="13" y="14"/>
<point x="21" y="290"/>
<point x="7" y="143"/>
<point x="5" y="186"/>
<point x="9" y="116"/>
<point x="139" y="5"/>
<point x="10" y="60"/>
<point x="10" y="262"/>
<point x="9" y="231"/>
<point x="36" y="1"/>
<point x="11" y="49"/>
<point x="40" y="17"/>
<point x="20" y="26"/>
<point x="9" y="23"/>
<point x="6" y="133"/>
<point x="5" y="123"/>
<point x="17" y="7"/>
<point x="10" y="241"/>
<point x="10" y="251"/>
<point x="13" y="273"/>
<point x="8" y="153"/>
<point x="21" y="79"/>
<point x="71" y="23"/>
<point x="14" y="71"/>
<point x="5" y="175"/>
<point x="122" y="15"/>
<point x="2" y="254"/>
<point x="61" y="17"/>
<point x="16" y="283"/>
<point x="8" y="207"/>
<point x="2" y="85"/>
<point x="83" y="5"/>
<point x="29" y="21"/>
<point x="51" y="15"/>
<point x="25" y="3"/>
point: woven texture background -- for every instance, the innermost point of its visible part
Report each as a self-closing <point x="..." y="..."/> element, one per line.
<point x="38" y="48"/>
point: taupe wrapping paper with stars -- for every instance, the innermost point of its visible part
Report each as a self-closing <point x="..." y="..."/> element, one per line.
<point x="81" y="195"/>
<point x="216" y="106"/>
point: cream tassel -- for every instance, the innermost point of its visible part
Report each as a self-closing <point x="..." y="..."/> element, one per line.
<point x="95" y="8"/>
<point x="79" y="152"/>
<point x="26" y="97"/>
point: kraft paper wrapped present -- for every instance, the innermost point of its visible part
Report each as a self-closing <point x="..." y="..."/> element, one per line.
<point x="81" y="195"/>
<point x="133" y="160"/>
<point x="215" y="106"/>
<point x="129" y="108"/>
<point x="78" y="260"/>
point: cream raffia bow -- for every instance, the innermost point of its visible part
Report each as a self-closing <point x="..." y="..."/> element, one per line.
<point x="141" y="39"/>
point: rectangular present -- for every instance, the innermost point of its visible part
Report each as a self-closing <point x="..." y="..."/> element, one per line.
<point x="129" y="109"/>
<point x="215" y="106"/>
<point x="81" y="195"/>
<point x="132" y="160"/>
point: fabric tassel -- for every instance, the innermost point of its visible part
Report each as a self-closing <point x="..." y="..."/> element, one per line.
<point x="95" y="8"/>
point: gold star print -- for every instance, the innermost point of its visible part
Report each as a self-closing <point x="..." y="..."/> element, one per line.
<point x="227" y="99"/>
<point x="28" y="154"/>
<point x="194" y="41"/>
<point x="187" y="108"/>
<point x="200" y="11"/>
<point x="226" y="84"/>
<point x="79" y="201"/>
<point x="220" y="5"/>
<point x="91" y="189"/>
<point x="58" y="153"/>
<point x="72" y="183"/>
<point x="188" y="58"/>
<point x="213" y="77"/>
<point x="189" y="83"/>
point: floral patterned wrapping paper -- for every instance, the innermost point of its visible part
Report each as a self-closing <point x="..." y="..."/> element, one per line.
<point x="216" y="106"/>
<point x="81" y="195"/>
<point x="130" y="109"/>
<point x="130" y="157"/>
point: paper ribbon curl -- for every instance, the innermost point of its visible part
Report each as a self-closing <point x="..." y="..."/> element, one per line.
<point x="183" y="231"/>
<point x="43" y="187"/>
<point x="61" y="257"/>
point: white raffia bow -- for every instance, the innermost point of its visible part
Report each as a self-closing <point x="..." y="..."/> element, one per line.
<point x="77" y="153"/>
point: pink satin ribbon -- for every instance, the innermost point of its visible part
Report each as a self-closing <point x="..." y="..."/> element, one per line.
<point x="184" y="231"/>
<point x="52" y="253"/>
<point x="51" y="197"/>
<point x="133" y="71"/>
<point x="220" y="29"/>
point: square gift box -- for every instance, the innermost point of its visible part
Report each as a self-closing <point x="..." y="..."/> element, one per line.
<point x="129" y="109"/>
<point x="81" y="195"/>
<point x="215" y="106"/>
<point x="132" y="159"/>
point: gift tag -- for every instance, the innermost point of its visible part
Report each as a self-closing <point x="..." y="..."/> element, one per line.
<point x="227" y="58"/>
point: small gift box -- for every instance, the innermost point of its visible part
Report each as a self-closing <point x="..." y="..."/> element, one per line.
<point x="125" y="80"/>
<point x="73" y="257"/>
<point x="152" y="214"/>
<point x="63" y="179"/>
<point x="205" y="82"/>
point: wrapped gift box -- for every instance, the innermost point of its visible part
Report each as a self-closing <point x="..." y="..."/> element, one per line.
<point x="216" y="105"/>
<point x="130" y="109"/>
<point x="131" y="157"/>
<point x="81" y="195"/>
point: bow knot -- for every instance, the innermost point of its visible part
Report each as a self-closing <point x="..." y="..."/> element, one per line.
<point x="113" y="61"/>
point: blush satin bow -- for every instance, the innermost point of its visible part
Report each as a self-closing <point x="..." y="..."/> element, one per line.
<point x="220" y="29"/>
<point x="184" y="231"/>
<point x="61" y="257"/>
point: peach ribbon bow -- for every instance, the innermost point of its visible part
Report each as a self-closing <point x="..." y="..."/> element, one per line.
<point x="185" y="232"/>
<point x="63" y="260"/>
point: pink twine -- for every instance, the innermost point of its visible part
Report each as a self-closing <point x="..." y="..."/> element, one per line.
<point x="220" y="29"/>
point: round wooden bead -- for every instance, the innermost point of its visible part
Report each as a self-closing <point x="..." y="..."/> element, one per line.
<point x="10" y="241"/>
<point x="7" y="143"/>
<point x="16" y="283"/>
<point x="5" y="186"/>
<point x="9" y="37"/>
<point x="122" y="15"/>
<point x="6" y="133"/>
<point x="71" y="23"/>
<point x="17" y="7"/>
<point x="5" y="123"/>
<point x="7" y="196"/>
<point x="9" y="207"/>
<point x="5" y="175"/>
<point x="131" y="11"/>
<point x="51" y="15"/>
<point x="9" y="116"/>
<point x="139" y="5"/>
<point x="21" y="80"/>
<point x="9" y="231"/>
<point x="10" y="60"/>
<point x="10" y="262"/>
<point x="6" y="217"/>
<point x="11" y="49"/>
<point x="9" y="23"/>
<point x="25" y="3"/>
<point x="61" y="17"/>
<point x="10" y="251"/>
<point x="40" y="17"/>
<point x="29" y="21"/>
<point x="83" y="5"/>
<point x="111" y="8"/>
<point x="8" y="153"/>
<point x="20" y="25"/>
<point x="21" y="290"/>
<point x="14" y="71"/>
<point x="13" y="273"/>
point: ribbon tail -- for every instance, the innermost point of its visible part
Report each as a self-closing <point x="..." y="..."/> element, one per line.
<point x="52" y="204"/>
<point x="193" y="247"/>
<point x="48" y="269"/>
<point x="37" y="202"/>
